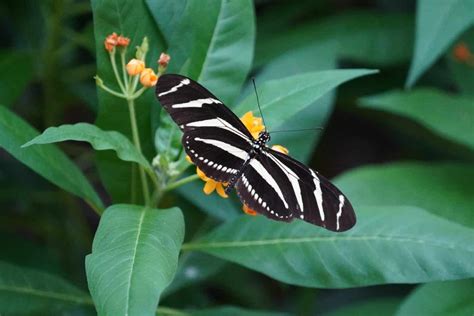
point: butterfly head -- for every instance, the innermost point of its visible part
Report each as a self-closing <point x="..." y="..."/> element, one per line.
<point x="263" y="138"/>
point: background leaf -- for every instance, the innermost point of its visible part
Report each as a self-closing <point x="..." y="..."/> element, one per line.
<point x="26" y="292"/>
<point x="134" y="258"/>
<point x="121" y="16"/>
<point x="387" y="245"/>
<point x="48" y="160"/>
<point x="373" y="307"/>
<point x="234" y="311"/>
<point x="16" y="71"/>
<point x="298" y="90"/>
<point x="448" y="115"/>
<point x="438" y="23"/>
<point x="441" y="188"/>
<point x="99" y="139"/>
<point x="440" y="298"/>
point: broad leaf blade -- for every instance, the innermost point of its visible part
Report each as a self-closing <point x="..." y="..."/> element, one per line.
<point x="214" y="45"/>
<point x="444" y="189"/>
<point x="234" y="311"/>
<point x="388" y="245"/>
<point x="27" y="291"/>
<point x="134" y="258"/>
<point x="99" y="139"/>
<point x="440" y="298"/>
<point x="48" y="161"/>
<point x="438" y="23"/>
<point x="121" y="16"/>
<point x="450" y="116"/>
<point x="286" y="97"/>
<point x="372" y="307"/>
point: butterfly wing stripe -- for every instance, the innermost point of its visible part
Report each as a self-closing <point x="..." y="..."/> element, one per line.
<point x="257" y="166"/>
<point x="196" y="103"/>
<point x="293" y="178"/>
<point x="219" y="123"/>
<point x="175" y="88"/>
<point x="237" y="152"/>
<point x="339" y="213"/>
<point x="318" y="194"/>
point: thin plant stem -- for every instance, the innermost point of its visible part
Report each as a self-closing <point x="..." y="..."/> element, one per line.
<point x="112" y="92"/>
<point x="114" y="67"/>
<point x="181" y="182"/>
<point x="124" y="71"/>
<point x="136" y="141"/>
<point x="138" y="93"/>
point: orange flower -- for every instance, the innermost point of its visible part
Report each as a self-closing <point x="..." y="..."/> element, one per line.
<point x="111" y="41"/>
<point x="148" y="78"/>
<point x="123" y="41"/>
<point x="247" y="210"/>
<point x="253" y="124"/>
<point x="461" y="52"/>
<point x="211" y="185"/>
<point x="164" y="60"/>
<point x="135" y="66"/>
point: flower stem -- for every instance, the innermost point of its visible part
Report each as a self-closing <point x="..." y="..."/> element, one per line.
<point x="136" y="141"/>
<point x="112" y="92"/>
<point x="181" y="182"/>
<point x="124" y="72"/>
<point x="114" y="67"/>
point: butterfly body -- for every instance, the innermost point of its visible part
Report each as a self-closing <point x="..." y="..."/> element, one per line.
<point x="267" y="181"/>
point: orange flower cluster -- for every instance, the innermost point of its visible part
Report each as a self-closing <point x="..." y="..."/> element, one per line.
<point x="114" y="40"/>
<point x="255" y="126"/>
<point x="462" y="54"/>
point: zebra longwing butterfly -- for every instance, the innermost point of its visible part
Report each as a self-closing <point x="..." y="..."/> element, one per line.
<point x="267" y="181"/>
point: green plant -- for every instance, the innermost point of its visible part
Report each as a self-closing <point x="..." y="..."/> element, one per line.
<point x="415" y="222"/>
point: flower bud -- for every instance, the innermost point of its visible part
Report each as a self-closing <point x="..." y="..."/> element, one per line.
<point x="123" y="41"/>
<point x="111" y="41"/>
<point x="98" y="81"/>
<point x="135" y="66"/>
<point x="461" y="52"/>
<point x="148" y="78"/>
<point x="164" y="60"/>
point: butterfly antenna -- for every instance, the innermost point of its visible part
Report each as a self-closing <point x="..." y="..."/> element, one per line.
<point x="258" y="103"/>
<point x="299" y="130"/>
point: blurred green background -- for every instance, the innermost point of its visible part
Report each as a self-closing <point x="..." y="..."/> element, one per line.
<point x="410" y="128"/>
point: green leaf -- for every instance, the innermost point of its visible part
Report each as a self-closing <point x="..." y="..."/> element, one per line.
<point x="134" y="258"/>
<point x="372" y="307"/>
<point x="99" y="139"/>
<point x="299" y="91"/>
<point x="374" y="38"/>
<point x="416" y="246"/>
<point x="454" y="298"/>
<point x="167" y="15"/>
<point x="450" y="116"/>
<point x="215" y="43"/>
<point x="234" y="311"/>
<point x="48" y="161"/>
<point x="122" y="16"/>
<point x="443" y="189"/>
<point x="16" y="71"/>
<point x="438" y="23"/>
<point x="27" y="291"/>
<point x="168" y="137"/>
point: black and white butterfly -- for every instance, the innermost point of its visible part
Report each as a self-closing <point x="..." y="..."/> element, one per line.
<point x="267" y="181"/>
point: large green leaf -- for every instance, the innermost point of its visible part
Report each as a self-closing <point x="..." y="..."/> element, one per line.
<point x="448" y="115"/>
<point x="438" y="23"/>
<point x="27" y="292"/>
<point x="374" y="38"/>
<point x="99" y="139"/>
<point x="454" y="298"/>
<point x="371" y="307"/>
<point x="443" y="189"/>
<point x="16" y="71"/>
<point x="281" y="99"/>
<point x="132" y="19"/>
<point x="215" y="42"/>
<point x="48" y="161"/>
<point x="387" y="245"/>
<point x="234" y="311"/>
<point x="134" y="258"/>
<point x="167" y="15"/>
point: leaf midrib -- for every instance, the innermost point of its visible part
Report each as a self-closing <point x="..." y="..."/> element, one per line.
<point x="270" y="242"/>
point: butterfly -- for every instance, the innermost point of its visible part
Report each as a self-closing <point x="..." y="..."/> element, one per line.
<point x="267" y="181"/>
